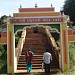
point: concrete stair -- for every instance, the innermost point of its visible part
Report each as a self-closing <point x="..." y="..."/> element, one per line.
<point x="38" y="42"/>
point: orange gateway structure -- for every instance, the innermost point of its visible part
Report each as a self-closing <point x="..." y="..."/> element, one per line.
<point x="40" y="29"/>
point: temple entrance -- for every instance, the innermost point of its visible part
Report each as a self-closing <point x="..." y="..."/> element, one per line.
<point x="38" y="38"/>
<point x="42" y="28"/>
<point x="35" y="30"/>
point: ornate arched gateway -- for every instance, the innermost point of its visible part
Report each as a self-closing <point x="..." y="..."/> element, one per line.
<point x="37" y="22"/>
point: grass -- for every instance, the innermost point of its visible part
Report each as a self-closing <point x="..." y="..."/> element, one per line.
<point x="64" y="73"/>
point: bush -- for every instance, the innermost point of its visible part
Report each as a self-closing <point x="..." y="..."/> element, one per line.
<point x="3" y="59"/>
<point x="72" y="55"/>
<point x="17" y="36"/>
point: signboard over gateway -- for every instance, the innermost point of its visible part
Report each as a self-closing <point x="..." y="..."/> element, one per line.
<point x="35" y="20"/>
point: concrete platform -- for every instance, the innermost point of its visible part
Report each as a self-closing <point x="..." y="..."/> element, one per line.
<point x="23" y="71"/>
<point x="38" y="70"/>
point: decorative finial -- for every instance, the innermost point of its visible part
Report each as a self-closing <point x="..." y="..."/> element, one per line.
<point x="36" y="5"/>
<point x="51" y="5"/>
<point x="9" y="15"/>
<point x="20" y="6"/>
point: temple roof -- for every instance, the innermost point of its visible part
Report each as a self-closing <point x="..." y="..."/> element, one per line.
<point x="36" y="9"/>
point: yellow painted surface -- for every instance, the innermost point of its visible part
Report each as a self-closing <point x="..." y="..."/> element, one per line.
<point x="3" y="40"/>
<point x="11" y="69"/>
<point x="65" y="67"/>
<point x="65" y="48"/>
<point x="9" y="27"/>
<point x="71" y="38"/>
<point x="35" y="14"/>
<point x="64" y="19"/>
<point x="60" y="61"/>
<point x="63" y="26"/>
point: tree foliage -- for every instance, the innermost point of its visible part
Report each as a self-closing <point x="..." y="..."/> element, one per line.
<point x="2" y="19"/>
<point x="69" y="9"/>
<point x="3" y="58"/>
<point x="72" y="54"/>
<point x="17" y="36"/>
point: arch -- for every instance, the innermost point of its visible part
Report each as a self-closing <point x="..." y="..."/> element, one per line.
<point x="18" y="31"/>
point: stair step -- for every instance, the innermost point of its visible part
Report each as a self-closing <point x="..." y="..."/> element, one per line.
<point x="35" y="67"/>
<point x="31" y="39"/>
<point x="35" y="64"/>
<point x="37" y="34"/>
<point x="52" y="71"/>
<point x="35" y="49"/>
<point x="34" y="55"/>
<point x="35" y="52"/>
<point x="23" y="65"/>
<point x="40" y="62"/>
<point x="52" y="64"/>
<point x="34" y="60"/>
<point x="24" y="68"/>
<point x="37" y="45"/>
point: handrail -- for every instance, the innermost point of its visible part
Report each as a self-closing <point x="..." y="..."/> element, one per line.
<point x="19" y="47"/>
<point x="53" y="43"/>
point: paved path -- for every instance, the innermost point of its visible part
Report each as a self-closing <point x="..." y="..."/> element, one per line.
<point x="38" y="70"/>
<point x="23" y="71"/>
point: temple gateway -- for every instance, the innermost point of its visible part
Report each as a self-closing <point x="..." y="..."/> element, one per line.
<point x="38" y="29"/>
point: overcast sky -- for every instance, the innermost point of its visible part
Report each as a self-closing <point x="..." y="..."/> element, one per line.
<point x="8" y="7"/>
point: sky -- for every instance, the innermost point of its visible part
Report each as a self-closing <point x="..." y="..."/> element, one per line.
<point x="8" y="7"/>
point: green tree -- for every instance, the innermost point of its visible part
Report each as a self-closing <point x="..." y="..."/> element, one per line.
<point x="3" y="59"/>
<point x="69" y="9"/>
<point x="2" y="18"/>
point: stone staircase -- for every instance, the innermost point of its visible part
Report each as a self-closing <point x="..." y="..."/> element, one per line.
<point x="38" y="42"/>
